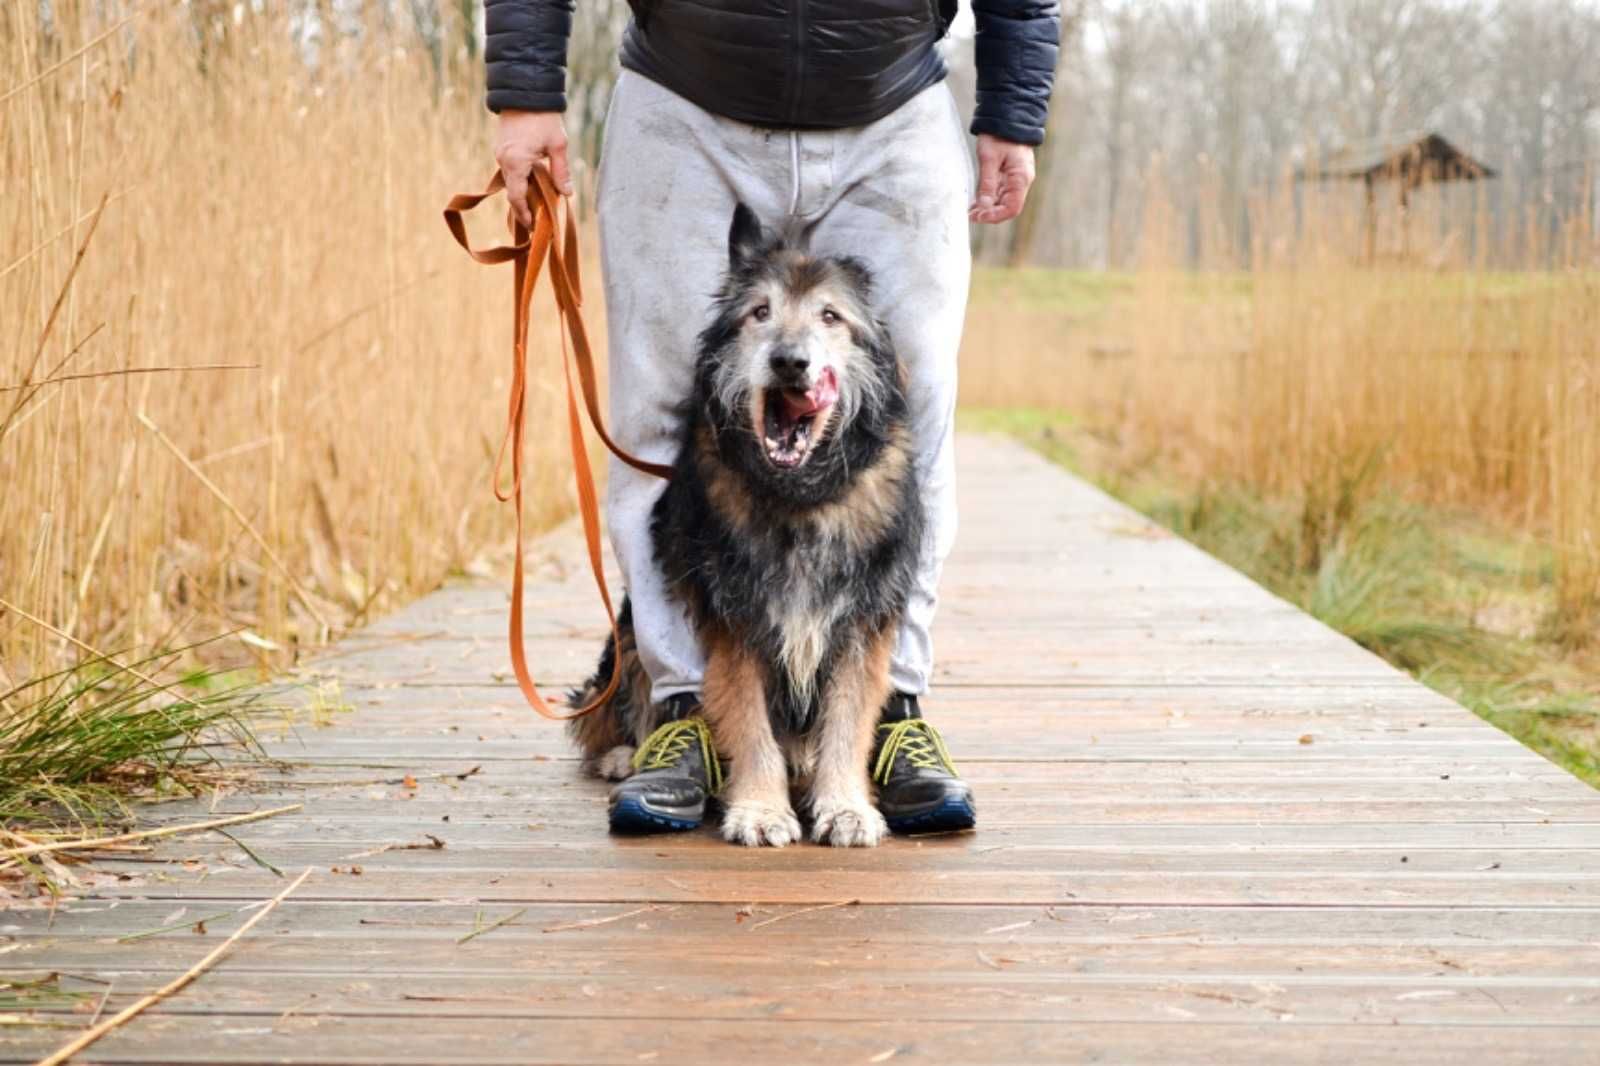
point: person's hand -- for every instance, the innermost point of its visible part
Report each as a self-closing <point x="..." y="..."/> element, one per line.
<point x="523" y="138"/>
<point x="1005" y="170"/>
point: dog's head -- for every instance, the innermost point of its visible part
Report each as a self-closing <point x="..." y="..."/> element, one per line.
<point x="797" y="376"/>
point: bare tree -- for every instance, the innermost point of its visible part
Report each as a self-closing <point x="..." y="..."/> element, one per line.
<point x="1057" y="140"/>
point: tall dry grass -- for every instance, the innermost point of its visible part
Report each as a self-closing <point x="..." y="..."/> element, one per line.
<point x="259" y="388"/>
<point x="1300" y="370"/>
<point x="261" y="213"/>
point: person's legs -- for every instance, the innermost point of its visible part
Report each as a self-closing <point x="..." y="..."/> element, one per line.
<point x="893" y="194"/>
<point x="901" y="188"/>
<point x="670" y="174"/>
<point x="898" y="201"/>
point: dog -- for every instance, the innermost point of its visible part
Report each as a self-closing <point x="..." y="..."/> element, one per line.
<point x="790" y="530"/>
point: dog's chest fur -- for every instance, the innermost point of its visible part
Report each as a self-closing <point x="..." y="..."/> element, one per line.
<point x="806" y="611"/>
<point x="800" y="586"/>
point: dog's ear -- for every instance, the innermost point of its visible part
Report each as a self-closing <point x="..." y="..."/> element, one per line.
<point x="746" y="238"/>
<point x="857" y="273"/>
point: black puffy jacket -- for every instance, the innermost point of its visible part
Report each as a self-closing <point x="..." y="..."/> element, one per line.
<point x="791" y="63"/>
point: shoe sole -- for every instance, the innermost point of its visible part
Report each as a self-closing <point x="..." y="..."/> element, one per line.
<point x="949" y="815"/>
<point x="633" y="815"/>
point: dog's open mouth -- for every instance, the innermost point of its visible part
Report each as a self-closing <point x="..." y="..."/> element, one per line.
<point x="794" y="419"/>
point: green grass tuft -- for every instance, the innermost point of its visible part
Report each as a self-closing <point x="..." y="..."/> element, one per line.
<point x="75" y="745"/>
<point x="1405" y="582"/>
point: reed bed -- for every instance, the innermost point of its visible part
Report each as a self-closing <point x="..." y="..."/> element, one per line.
<point x="1301" y="370"/>
<point x="252" y="393"/>
<point x="251" y="387"/>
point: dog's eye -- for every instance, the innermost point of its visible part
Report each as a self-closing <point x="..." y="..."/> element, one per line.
<point x="761" y="313"/>
<point x="830" y="317"/>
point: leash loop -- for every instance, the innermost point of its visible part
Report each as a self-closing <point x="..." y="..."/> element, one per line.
<point x="553" y="244"/>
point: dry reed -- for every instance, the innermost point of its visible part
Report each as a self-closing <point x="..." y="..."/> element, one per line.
<point x="257" y="212"/>
<point x="262" y="213"/>
<point x="1300" y="370"/>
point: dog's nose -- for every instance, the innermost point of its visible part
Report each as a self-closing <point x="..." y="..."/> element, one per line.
<point x="789" y="362"/>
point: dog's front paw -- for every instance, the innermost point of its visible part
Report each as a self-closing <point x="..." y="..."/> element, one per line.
<point x="755" y="824"/>
<point x="616" y="764"/>
<point x="848" y="825"/>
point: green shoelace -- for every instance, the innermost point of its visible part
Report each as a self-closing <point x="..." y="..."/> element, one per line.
<point x="670" y="742"/>
<point x="919" y="741"/>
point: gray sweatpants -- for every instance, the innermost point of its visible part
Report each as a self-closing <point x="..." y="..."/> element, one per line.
<point x="893" y="193"/>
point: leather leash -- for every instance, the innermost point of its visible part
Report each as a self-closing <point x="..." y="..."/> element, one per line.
<point x="556" y="243"/>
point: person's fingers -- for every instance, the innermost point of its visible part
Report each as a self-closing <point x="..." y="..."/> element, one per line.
<point x="1015" y="175"/>
<point x="1013" y="195"/>
<point x="988" y="179"/>
<point x="1006" y="206"/>
<point x="516" y="175"/>
<point x="557" y="154"/>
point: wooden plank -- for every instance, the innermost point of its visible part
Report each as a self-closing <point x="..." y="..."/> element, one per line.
<point x="1211" y="831"/>
<point x="1162" y="1037"/>
<point x="1404" y="933"/>
<point x="1010" y="813"/>
<point x="482" y="815"/>
<point x="997" y="986"/>
<point x="1048" y="884"/>
<point x="518" y="849"/>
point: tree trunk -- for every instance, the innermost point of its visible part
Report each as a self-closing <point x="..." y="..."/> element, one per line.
<point x="1025" y="231"/>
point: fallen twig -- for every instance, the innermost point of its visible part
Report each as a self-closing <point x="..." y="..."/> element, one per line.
<point x="100" y="1008"/>
<point x="144" y="934"/>
<point x="433" y="843"/>
<point x="805" y="910"/>
<point x="492" y="926"/>
<point x="96" y="1032"/>
<point x="248" y="850"/>
<point x="590" y="923"/>
<point x="145" y="834"/>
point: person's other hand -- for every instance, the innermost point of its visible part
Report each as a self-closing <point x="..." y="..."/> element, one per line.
<point x="522" y="139"/>
<point x="1005" y="170"/>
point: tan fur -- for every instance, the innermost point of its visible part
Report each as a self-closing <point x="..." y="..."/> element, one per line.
<point x="601" y="734"/>
<point x="756" y="794"/>
<point x="858" y="519"/>
<point x="723" y="490"/>
<point x="861" y="516"/>
<point x="841" y="789"/>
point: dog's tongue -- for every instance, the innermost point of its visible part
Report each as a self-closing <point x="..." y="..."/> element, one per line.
<point x="798" y="403"/>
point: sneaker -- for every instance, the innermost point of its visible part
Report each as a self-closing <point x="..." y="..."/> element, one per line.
<point x="918" y="788"/>
<point x="675" y="771"/>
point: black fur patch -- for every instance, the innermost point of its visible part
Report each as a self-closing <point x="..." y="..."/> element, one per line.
<point x="739" y="567"/>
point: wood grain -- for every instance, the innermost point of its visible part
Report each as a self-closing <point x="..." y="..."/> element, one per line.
<point x="1210" y="830"/>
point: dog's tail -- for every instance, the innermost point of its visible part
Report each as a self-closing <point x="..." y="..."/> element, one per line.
<point x="608" y="735"/>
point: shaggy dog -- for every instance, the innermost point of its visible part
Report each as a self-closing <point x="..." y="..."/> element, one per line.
<point x="790" y="530"/>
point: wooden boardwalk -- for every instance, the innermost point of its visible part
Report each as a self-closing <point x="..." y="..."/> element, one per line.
<point x="1211" y="830"/>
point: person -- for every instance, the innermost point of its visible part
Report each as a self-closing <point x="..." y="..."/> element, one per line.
<point x="832" y="115"/>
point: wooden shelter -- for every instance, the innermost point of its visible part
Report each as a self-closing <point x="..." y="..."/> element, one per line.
<point x="1409" y="160"/>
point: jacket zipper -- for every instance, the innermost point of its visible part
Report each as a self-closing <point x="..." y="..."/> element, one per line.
<point x="799" y="82"/>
